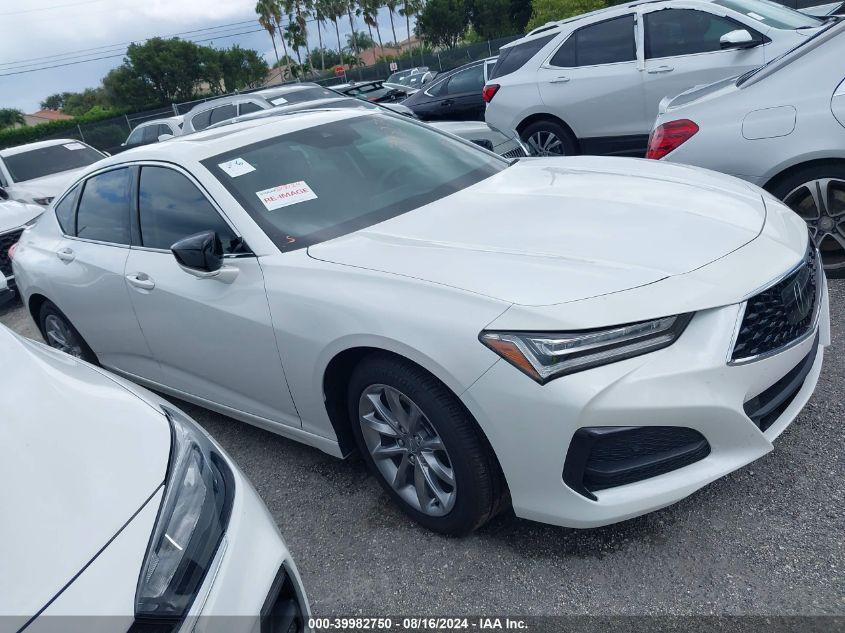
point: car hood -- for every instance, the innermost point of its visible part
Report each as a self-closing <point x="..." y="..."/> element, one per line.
<point x="548" y="231"/>
<point x="80" y="455"/>
<point x="14" y="214"/>
<point x="45" y="187"/>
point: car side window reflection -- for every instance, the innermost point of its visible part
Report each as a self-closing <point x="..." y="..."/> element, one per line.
<point x="64" y="212"/>
<point x="172" y="208"/>
<point x="103" y="213"/>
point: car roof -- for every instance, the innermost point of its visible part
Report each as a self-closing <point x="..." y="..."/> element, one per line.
<point x="193" y="148"/>
<point x="213" y="103"/>
<point x="170" y="119"/>
<point x="18" y="149"/>
<point x="269" y="93"/>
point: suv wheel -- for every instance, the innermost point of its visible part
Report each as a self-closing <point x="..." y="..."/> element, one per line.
<point x="548" y="138"/>
<point x="423" y="446"/>
<point x="60" y="334"/>
<point x="817" y="194"/>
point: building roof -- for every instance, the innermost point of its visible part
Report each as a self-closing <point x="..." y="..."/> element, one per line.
<point x="50" y="115"/>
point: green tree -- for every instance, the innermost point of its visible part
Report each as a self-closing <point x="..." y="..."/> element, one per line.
<point x="369" y="11"/>
<point x="333" y="10"/>
<point x="543" y="11"/>
<point x="10" y="117"/>
<point x="79" y="103"/>
<point x="392" y="8"/>
<point x="172" y="67"/>
<point x="359" y="41"/>
<point x="242" y="68"/>
<point x="124" y="88"/>
<point x="443" y="22"/>
<point x="55" y="101"/>
<point x="264" y="9"/>
<point x="352" y="8"/>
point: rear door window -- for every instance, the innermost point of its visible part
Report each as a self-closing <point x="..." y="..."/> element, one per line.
<point x="65" y="212"/>
<point x="469" y="80"/>
<point x="608" y="42"/>
<point x="248" y="107"/>
<point x="515" y="57"/>
<point x="103" y="213"/>
<point x="201" y="120"/>
<point x="223" y="113"/>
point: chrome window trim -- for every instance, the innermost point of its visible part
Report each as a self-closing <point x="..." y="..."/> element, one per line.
<point x="811" y="331"/>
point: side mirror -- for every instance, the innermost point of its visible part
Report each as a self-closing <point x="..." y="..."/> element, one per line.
<point x="164" y="137"/>
<point x="738" y="39"/>
<point x="4" y="195"/>
<point x="202" y="252"/>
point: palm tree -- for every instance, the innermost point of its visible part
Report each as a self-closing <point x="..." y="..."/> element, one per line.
<point x="392" y="5"/>
<point x="350" y="8"/>
<point x="298" y="11"/>
<point x="409" y="8"/>
<point x="369" y="11"/>
<point x="265" y="19"/>
<point x="334" y="10"/>
<point x="10" y="117"/>
<point x="321" y="14"/>
<point x="276" y="15"/>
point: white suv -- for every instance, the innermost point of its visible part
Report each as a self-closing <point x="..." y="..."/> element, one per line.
<point x="592" y="84"/>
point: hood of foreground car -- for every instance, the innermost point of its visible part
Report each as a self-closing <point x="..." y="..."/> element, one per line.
<point x="548" y="231"/>
<point x="45" y="187"/>
<point x="79" y="455"/>
<point x="15" y="214"/>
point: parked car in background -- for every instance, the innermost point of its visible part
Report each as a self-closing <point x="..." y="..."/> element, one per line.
<point x="781" y="127"/>
<point x="154" y="131"/>
<point x="38" y="172"/>
<point x="159" y="527"/>
<point x="819" y="8"/>
<point x="210" y="112"/>
<point x="410" y="80"/>
<point x="592" y="84"/>
<point x="477" y="132"/>
<point x="454" y="96"/>
<point x="374" y="91"/>
<point x="14" y="218"/>
<point x="390" y="287"/>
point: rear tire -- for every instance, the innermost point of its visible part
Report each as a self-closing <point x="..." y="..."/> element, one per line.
<point x="817" y="194"/>
<point x="423" y="446"/>
<point x="549" y="138"/>
<point x="59" y="333"/>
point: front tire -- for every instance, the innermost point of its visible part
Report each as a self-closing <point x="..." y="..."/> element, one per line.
<point x="59" y="333"/>
<point x="423" y="446"/>
<point x="817" y="194"/>
<point x="549" y="138"/>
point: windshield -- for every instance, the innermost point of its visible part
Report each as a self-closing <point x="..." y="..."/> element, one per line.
<point x="54" y="159"/>
<point x="771" y="14"/>
<point x="298" y="96"/>
<point x="796" y="53"/>
<point x="319" y="183"/>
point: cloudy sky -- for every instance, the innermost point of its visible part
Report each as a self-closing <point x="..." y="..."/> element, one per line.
<point x="39" y="33"/>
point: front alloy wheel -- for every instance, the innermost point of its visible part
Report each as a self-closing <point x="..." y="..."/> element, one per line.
<point x="821" y="203"/>
<point x="60" y="336"/>
<point x="407" y="450"/>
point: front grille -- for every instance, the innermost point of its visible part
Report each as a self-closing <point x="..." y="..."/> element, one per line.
<point x="6" y="242"/>
<point x="516" y="152"/>
<point x="781" y="314"/>
<point x="605" y="457"/>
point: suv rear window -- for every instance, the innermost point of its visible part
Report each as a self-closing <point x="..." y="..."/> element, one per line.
<point x="513" y="58"/>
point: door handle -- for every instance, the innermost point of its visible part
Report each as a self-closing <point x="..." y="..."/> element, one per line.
<point x="66" y="255"/>
<point x="142" y="281"/>
<point x="660" y="69"/>
<point x="559" y="80"/>
<point x="446" y="102"/>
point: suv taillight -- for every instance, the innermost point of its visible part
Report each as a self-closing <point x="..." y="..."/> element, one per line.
<point x="489" y="92"/>
<point x="668" y="137"/>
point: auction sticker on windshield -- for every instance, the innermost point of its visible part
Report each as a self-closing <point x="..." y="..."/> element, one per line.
<point x="286" y="195"/>
<point x="236" y="167"/>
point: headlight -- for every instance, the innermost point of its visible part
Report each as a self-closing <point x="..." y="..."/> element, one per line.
<point x="44" y="202"/>
<point x="547" y="355"/>
<point x="190" y="525"/>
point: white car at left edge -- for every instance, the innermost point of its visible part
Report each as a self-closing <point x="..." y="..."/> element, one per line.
<point x="14" y="218"/>
<point x="124" y="514"/>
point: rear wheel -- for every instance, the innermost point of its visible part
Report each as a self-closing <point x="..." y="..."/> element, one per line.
<point x="423" y="446"/>
<point x="817" y="194"/>
<point x="60" y="334"/>
<point x="549" y="138"/>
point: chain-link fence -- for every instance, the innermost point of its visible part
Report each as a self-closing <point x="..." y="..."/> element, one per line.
<point x="108" y="134"/>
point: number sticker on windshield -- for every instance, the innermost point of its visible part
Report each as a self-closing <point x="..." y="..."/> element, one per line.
<point x="236" y="167"/>
<point x="286" y="195"/>
<point x="74" y="146"/>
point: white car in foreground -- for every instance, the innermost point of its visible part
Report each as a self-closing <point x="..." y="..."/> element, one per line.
<point x="584" y="334"/>
<point x="38" y="172"/>
<point x="125" y="515"/>
<point x="14" y="218"/>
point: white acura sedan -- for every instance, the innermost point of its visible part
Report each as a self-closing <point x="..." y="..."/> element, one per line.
<point x="589" y="339"/>
<point x="124" y="514"/>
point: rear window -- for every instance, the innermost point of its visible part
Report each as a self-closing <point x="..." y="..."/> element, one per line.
<point x="298" y="96"/>
<point x="513" y="58"/>
<point x="38" y="163"/>
<point x="319" y="183"/>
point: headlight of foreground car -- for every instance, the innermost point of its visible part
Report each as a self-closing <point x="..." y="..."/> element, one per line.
<point x="545" y="356"/>
<point x="44" y="202"/>
<point x="191" y="522"/>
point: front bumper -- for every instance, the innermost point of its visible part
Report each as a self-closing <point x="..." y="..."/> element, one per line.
<point x="689" y="384"/>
